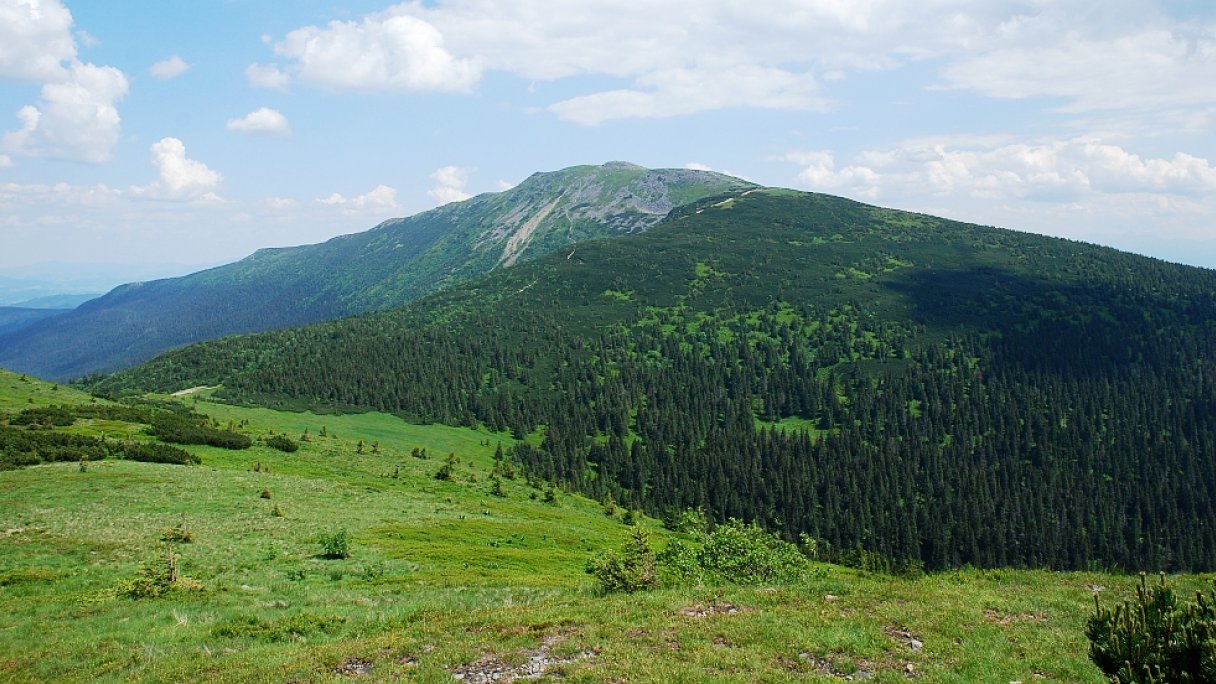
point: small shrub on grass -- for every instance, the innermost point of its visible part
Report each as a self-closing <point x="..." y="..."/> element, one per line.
<point x="631" y="569"/>
<point x="152" y="452"/>
<point x="746" y="554"/>
<point x="266" y="493"/>
<point x="157" y="578"/>
<point x="178" y="534"/>
<point x="276" y="511"/>
<point x="1155" y="637"/>
<point x="334" y="545"/>
<point x="292" y="627"/>
<point x="444" y="472"/>
<point x="282" y="443"/>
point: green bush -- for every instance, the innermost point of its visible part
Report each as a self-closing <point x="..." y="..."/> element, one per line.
<point x="1154" y="638"/>
<point x="731" y="553"/>
<point x="334" y="545"/>
<point x="746" y="554"/>
<point x="282" y="443"/>
<point x="192" y="428"/>
<point x="151" y="452"/>
<point x="632" y="569"/>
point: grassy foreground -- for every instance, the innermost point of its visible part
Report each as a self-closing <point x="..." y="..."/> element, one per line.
<point x="446" y="580"/>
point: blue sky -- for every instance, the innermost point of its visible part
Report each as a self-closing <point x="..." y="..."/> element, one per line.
<point x="141" y="133"/>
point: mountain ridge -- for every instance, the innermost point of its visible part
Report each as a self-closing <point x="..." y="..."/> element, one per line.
<point x="896" y="385"/>
<point x="391" y="264"/>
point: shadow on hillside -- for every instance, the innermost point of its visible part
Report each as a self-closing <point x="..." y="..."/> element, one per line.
<point x="1048" y="323"/>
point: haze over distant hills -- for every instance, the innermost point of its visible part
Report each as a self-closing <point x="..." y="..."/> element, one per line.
<point x="394" y="263"/>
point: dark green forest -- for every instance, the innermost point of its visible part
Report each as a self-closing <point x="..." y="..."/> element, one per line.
<point x="929" y="392"/>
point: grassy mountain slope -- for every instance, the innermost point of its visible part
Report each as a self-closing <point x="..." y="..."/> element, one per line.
<point x="444" y="578"/>
<point x="394" y="263"/>
<point x="895" y="385"/>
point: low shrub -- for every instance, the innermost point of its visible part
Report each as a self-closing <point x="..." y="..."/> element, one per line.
<point x="1155" y="637"/>
<point x="151" y="452"/>
<point x="334" y="545"/>
<point x="282" y="443"/>
<point x="633" y="568"/>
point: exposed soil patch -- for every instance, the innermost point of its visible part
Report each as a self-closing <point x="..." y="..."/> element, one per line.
<point x="701" y="611"/>
<point x="904" y="637"/>
<point x="1004" y="619"/>
<point x="538" y="663"/>
<point x="355" y="667"/>
<point x="858" y="672"/>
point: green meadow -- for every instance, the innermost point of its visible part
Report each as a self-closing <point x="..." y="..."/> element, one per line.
<point x="444" y="579"/>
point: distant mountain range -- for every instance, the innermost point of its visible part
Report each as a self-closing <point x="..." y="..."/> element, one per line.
<point x="906" y="389"/>
<point x="389" y="265"/>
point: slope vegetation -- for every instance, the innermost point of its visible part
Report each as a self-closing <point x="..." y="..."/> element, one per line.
<point x="908" y="390"/>
<point x="394" y="263"/>
<point x="442" y="577"/>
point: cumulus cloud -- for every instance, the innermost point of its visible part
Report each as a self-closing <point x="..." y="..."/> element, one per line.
<point x="266" y="76"/>
<point x="379" y="198"/>
<point x="35" y="40"/>
<point x="5" y="161"/>
<point x="169" y="68"/>
<point x="75" y="117"/>
<point x="263" y="121"/>
<point x="684" y="56"/>
<point x="178" y="176"/>
<point x="382" y="52"/>
<point x="1056" y="170"/>
<point x="450" y="183"/>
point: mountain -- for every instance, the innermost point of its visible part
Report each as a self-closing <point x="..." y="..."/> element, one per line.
<point x="389" y="265"/>
<point x="906" y="389"/>
<point x="14" y="318"/>
<point x="57" y="301"/>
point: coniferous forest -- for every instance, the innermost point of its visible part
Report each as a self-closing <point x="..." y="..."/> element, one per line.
<point x="893" y="385"/>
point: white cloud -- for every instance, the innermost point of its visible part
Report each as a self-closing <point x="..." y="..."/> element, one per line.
<point x="697" y="166"/>
<point x="179" y="177"/>
<point x="58" y="195"/>
<point x="263" y="121"/>
<point x="378" y="199"/>
<point x="280" y="203"/>
<point x="1057" y="170"/>
<point x="169" y="68"/>
<point x="450" y="183"/>
<point x="383" y="52"/>
<point x="266" y="76"/>
<point x="76" y="117"/>
<point x="1076" y="187"/>
<point x="5" y="161"/>
<point x="1142" y="69"/>
<point x="686" y="91"/>
<point x="35" y="39"/>
<point x="685" y="56"/>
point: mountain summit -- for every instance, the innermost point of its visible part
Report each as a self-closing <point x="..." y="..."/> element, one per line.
<point x="392" y="264"/>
